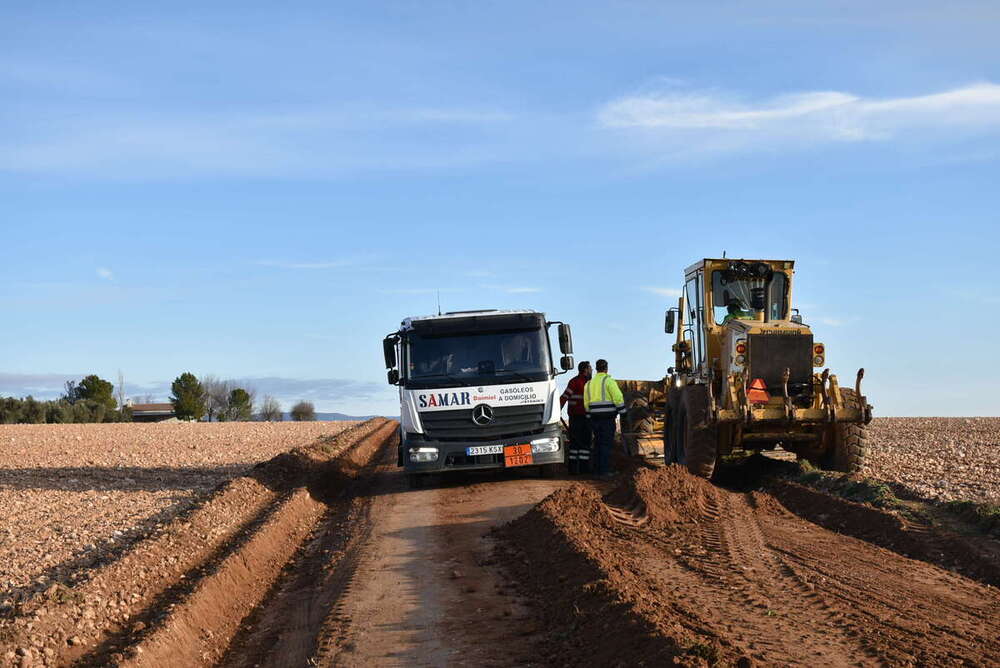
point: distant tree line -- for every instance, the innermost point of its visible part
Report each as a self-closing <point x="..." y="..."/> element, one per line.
<point x="93" y="399"/>
<point x="90" y="400"/>
<point x="216" y="400"/>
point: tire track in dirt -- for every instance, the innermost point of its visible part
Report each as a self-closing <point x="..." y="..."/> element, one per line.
<point x="299" y="621"/>
<point x="733" y="577"/>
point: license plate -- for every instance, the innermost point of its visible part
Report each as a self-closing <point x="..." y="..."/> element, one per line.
<point x="517" y="455"/>
<point x="484" y="450"/>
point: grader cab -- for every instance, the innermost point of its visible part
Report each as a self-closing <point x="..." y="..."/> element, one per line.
<point x="747" y="374"/>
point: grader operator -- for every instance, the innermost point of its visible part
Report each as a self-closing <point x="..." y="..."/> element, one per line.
<point x="746" y="374"/>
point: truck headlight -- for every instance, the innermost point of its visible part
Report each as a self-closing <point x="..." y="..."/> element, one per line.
<point x="424" y="455"/>
<point x="550" y="444"/>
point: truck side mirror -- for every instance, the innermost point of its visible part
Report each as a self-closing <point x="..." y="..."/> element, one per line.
<point x="668" y="324"/>
<point x="566" y="362"/>
<point x="796" y="316"/>
<point x="565" y="340"/>
<point x="389" y="351"/>
<point x="393" y="376"/>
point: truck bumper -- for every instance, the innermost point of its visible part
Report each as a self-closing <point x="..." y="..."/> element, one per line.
<point x="451" y="455"/>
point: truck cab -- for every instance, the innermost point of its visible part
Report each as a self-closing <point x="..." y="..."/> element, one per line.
<point x="477" y="390"/>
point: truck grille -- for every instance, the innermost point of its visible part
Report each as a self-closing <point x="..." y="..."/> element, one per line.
<point x="771" y="354"/>
<point x="458" y="425"/>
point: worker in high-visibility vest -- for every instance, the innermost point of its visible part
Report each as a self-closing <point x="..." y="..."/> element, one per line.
<point x="603" y="402"/>
<point x="580" y="434"/>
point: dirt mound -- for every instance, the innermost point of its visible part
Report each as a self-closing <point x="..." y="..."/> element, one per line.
<point x="671" y="495"/>
<point x="716" y="576"/>
<point x="317" y="465"/>
<point x="565" y="554"/>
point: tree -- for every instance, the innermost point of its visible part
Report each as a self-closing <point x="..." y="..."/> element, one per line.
<point x="303" y="412"/>
<point x="188" y="397"/>
<point x="85" y="410"/>
<point x="216" y="397"/>
<point x="72" y="392"/>
<point x="59" y="412"/>
<point x="270" y="409"/>
<point x="33" y="412"/>
<point x="240" y="406"/>
<point x="121" y="390"/>
<point x="10" y="410"/>
<point x="98" y="390"/>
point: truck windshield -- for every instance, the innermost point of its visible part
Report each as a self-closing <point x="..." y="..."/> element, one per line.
<point x="478" y="357"/>
<point x="737" y="294"/>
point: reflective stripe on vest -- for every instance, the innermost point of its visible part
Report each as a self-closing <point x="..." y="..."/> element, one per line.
<point x="604" y="406"/>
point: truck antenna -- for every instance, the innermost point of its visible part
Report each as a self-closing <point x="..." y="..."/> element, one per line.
<point x="439" y="302"/>
<point x="723" y="255"/>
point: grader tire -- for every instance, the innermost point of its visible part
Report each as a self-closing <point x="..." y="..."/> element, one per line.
<point x="671" y="417"/>
<point x="697" y="439"/>
<point x="849" y="447"/>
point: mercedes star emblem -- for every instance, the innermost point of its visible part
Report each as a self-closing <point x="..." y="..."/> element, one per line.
<point x="482" y="415"/>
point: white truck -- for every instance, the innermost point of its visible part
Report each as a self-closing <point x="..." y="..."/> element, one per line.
<point x="477" y="390"/>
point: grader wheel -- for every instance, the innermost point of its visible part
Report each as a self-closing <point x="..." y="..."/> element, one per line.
<point x="693" y="442"/>
<point x="848" y="443"/>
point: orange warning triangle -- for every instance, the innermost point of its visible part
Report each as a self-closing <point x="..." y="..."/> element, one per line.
<point x="757" y="392"/>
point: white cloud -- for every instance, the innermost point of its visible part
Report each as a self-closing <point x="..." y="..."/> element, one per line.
<point x="663" y="292"/>
<point x="832" y="322"/>
<point x="105" y="273"/>
<point x="521" y="291"/>
<point x="335" y="264"/>
<point x="416" y="291"/>
<point x="716" y="121"/>
<point x="318" y="142"/>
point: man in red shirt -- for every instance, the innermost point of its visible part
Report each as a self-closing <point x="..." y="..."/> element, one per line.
<point x="580" y="434"/>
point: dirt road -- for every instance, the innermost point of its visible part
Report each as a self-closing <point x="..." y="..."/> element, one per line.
<point x="323" y="556"/>
<point x="401" y="577"/>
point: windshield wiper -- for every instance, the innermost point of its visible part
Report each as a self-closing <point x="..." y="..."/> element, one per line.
<point x="450" y="377"/>
<point x="527" y="379"/>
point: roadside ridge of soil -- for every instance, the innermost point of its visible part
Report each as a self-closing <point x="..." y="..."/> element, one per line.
<point x="977" y="557"/>
<point x="135" y="601"/>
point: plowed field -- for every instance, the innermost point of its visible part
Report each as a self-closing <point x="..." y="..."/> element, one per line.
<point x="73" y="496"/>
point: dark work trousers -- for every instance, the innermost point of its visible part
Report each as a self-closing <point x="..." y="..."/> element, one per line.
<point x="578" y="455"/>
<point x="604" y="440"/>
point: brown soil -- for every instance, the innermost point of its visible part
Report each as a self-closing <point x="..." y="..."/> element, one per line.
<point x="173" y="593"/>
<point x="75" y="496"/>
<point x="692" y="573"/>
<point x="323" y="556"/>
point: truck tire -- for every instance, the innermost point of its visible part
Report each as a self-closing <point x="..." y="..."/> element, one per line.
<point x="414" y="480"/>
<point x="697" y="439"/>
<point x="849" y="442"/>
<point x="636" y="423"/>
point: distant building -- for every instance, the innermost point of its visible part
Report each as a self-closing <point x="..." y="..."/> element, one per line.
<point x="153" y="412"/>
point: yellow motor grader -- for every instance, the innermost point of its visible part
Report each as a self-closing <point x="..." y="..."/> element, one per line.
<point x="746" y="374"/>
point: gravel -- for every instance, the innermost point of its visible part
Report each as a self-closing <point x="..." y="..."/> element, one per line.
<point x="939" y="458"/>
<point x="74" y="495"/>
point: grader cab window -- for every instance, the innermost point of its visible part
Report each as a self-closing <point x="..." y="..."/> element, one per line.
<point x="693" y="323"/>
<point x="733" y="296"/>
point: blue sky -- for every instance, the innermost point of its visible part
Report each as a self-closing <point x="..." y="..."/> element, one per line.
<point x="261" y="193"/>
